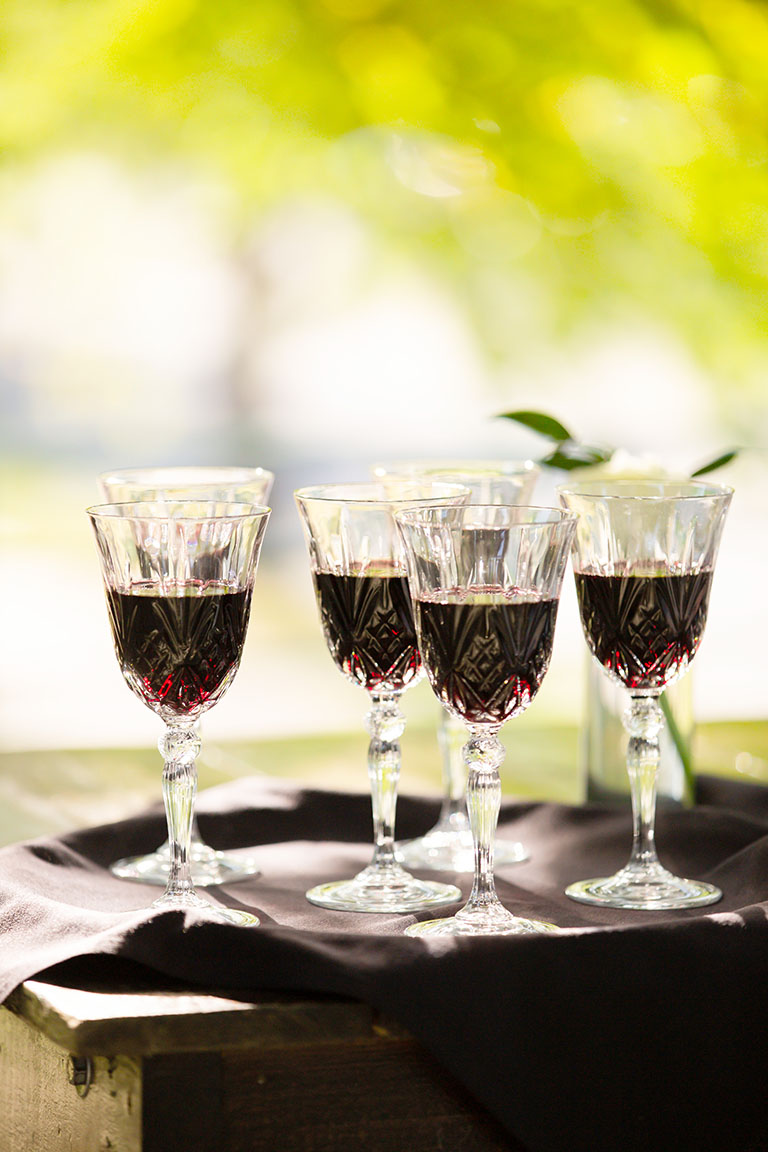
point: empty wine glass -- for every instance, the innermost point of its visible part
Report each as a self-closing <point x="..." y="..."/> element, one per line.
<point x="643" y="557"/>
<point x="447" y="846"/>
<point x="178" y="580"/>
<point x="170" y="484"/>
<point x="485" y="584"/>
<point x="365" y="610"/>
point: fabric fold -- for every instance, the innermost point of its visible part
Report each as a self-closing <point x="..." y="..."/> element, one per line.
<point x="626" y="1030"/>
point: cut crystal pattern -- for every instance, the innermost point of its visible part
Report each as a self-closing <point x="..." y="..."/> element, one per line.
<point x="486" y="655"/>
<point x="644" y="630"/>
<point x="369" y="629"/>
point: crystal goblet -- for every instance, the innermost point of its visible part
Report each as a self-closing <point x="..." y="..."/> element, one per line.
<point x="169" y="484"/>
<point x="485" y="583"/>
<point x="365" y="610"/>
<point x="178" y="581"/>
<point x="643" y="558"/>
<point x="447" y="846"/>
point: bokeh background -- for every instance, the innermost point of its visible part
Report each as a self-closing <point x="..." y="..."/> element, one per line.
<point x="311" y="234"/>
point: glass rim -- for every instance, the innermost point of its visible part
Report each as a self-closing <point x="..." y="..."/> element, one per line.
<point x="516" y="511"/>
<point x="435" y="466"/>
<point x="446" y="493"/>
<point x="119" y="510"/>
<point x="175" y="471"/>
<point x="698" y="489"/>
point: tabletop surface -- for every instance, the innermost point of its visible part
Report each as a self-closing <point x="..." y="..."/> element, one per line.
<point x="618" y="1000"/>
<point x="140" y="1021"/>
<point x="50" y="792"/>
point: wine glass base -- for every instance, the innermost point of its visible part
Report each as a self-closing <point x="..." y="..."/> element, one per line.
<point x="451" y="851"/>
<point x="651" y="889"/>
<point x="497" y="926"/>
<point x="391" y="890"/>
<point x="192" y="900"/>
<point x="208" y="867"/>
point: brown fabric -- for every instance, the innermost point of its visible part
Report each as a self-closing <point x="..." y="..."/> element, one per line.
<point x="627" y="1031"/>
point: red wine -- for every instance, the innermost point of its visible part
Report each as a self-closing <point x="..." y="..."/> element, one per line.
<point x="179" y="652"/>
<point x="486" y="650"/>
<point x="369" y="629"/>
<point x="645" y="628"/>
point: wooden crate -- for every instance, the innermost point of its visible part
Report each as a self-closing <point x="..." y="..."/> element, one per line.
<point x="160" y="1071"/>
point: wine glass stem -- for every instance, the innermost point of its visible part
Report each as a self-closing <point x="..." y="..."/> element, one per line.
<point x="451" y="736"/>
<point x="385" y="723"/>
<point x="179" y="746"/>
<point x="643" y="721"/>
<point x="484" y="754"/>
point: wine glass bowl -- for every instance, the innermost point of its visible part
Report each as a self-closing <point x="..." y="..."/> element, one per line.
<point x="489" y="481"/>
<point x="170" y="484"/>
<point x="447" y="846"/>
<point x="643" y="559"/>
<point x="485" y="583"/>
<point x="362" y="595"/>
<point x="178" y="582"/>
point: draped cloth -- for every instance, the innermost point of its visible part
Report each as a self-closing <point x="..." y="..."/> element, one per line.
<point x="625" y="1030"/>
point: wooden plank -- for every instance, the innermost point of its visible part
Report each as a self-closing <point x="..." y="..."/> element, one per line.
<point x="41" y="1110"/>
<point x="183" y="1103"/>
<point x="383" y="1094"/>
<point x="301" y="1076"/>
<point x="87" y="1022"/>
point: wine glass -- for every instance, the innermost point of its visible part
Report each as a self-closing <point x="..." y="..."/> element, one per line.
<point x="178" y="580"/>
<point x="170" y="484"/>
<point x="485" y="583"/>
<point x="643" y="558"/>
<point x="447" y="846"/>
<point x="365" y="610"/>
<point x="187" y="482"/>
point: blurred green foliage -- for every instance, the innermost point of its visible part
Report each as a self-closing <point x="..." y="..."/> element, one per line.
<point x="557" y="159"/>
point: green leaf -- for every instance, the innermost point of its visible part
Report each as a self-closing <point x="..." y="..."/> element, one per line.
<point x="570" y="455"/>
<point x="539" y="422"/>
<point x="718" y="462"/>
